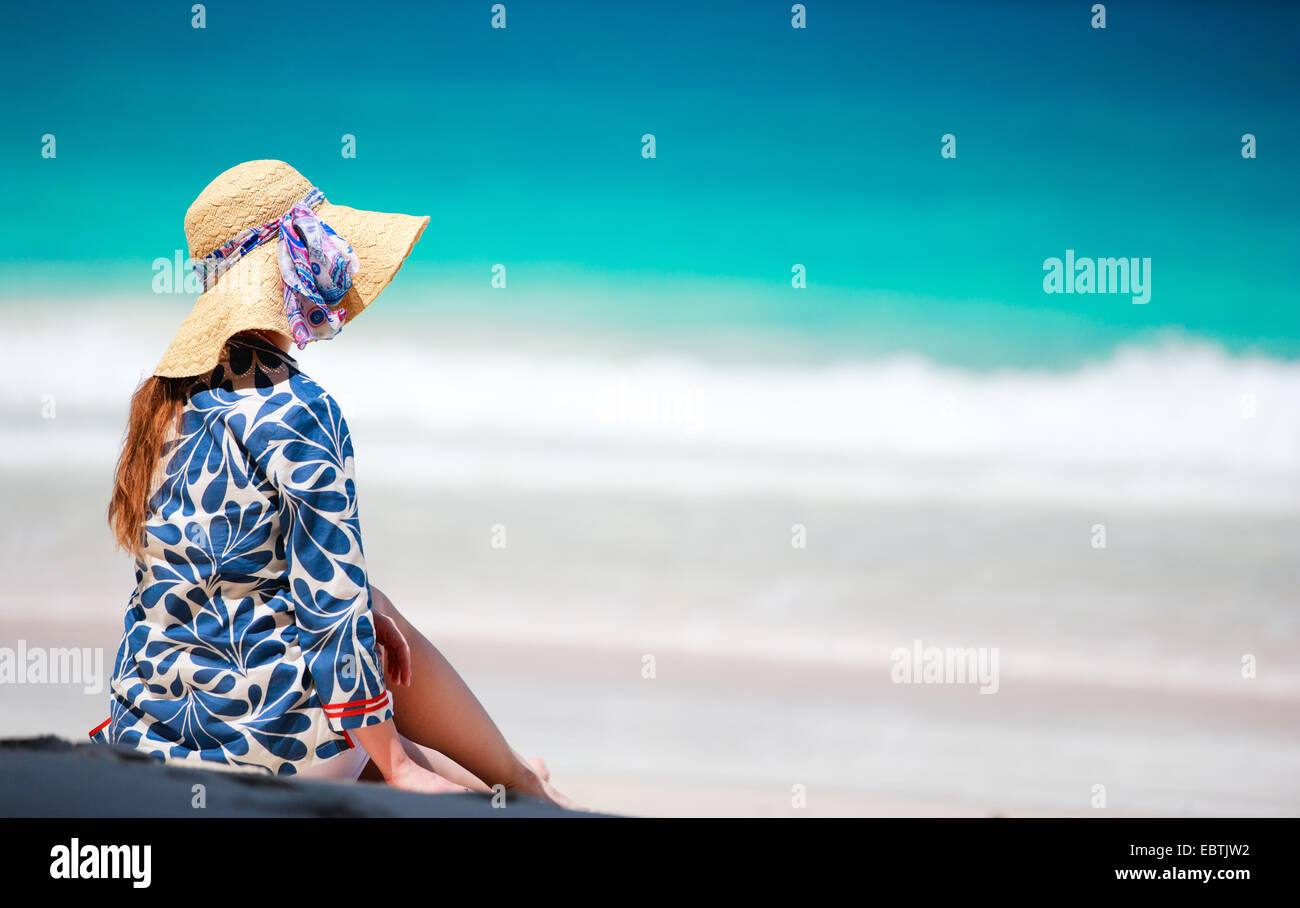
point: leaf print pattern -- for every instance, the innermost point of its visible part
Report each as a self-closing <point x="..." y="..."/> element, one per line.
<point x="249" y="639"/>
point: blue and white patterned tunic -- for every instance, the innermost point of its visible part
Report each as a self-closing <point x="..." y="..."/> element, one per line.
<point x="249" y="638"/>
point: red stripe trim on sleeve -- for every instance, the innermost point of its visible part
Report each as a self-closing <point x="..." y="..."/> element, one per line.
<point x="358" y="712"/>
<point x="98" y="728"/>
<point x="332" y="708"/>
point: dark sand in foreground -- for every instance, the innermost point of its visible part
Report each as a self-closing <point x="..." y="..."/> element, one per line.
<point x="49" y="777"/>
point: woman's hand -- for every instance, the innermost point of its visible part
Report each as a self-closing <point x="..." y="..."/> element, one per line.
<point x="395" y="652"/>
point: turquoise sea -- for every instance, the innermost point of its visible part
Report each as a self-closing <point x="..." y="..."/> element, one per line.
<point x="774" y="147"/>
<point x="651" y="302"/>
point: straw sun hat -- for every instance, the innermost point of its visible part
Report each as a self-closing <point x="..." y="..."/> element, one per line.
<point x="249" y="294"/>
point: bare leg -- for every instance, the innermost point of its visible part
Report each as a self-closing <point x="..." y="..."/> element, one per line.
<point x="438" y="711"/>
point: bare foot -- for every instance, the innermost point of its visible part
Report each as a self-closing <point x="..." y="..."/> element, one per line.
<point x="413" y="777"/>
<point x="535" y="782"/>
<point x="560" y="800"/>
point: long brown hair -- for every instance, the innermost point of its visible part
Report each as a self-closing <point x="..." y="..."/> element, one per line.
<point x="155" y="410"/>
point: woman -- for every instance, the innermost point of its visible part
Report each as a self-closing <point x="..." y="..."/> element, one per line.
<point x="254" y="636"/>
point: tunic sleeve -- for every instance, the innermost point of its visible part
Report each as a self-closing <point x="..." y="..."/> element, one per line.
<point x="311" y="464"/>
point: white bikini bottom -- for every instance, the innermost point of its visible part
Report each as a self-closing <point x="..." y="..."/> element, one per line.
<point x="342" y="767"/>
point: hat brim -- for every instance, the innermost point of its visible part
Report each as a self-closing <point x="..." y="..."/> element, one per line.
<point x="249" y="294"/>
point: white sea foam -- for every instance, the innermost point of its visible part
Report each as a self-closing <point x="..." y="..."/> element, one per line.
<point x="1180" y="423"/>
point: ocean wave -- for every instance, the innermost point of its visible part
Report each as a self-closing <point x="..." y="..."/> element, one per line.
<point x="1176" y="422"/>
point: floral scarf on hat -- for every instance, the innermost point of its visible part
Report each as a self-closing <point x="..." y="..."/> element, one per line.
<point x="316" y="266"/>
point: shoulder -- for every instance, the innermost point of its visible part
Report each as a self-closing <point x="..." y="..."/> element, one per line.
<point x="300" y="437"/>
<point x="312" y="412"/>
<point x="302" y="409"/>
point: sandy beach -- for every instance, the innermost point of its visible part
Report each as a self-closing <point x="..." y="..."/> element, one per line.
<point x="728" y="736"/>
